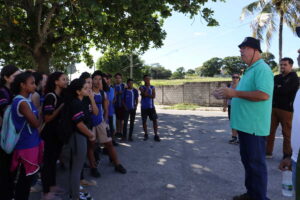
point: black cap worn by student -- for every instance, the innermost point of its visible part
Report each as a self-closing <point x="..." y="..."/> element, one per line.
<point x="251" y="42"/>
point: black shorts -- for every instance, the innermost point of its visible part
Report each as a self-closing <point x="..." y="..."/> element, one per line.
<point x="149" y="112"/>
<point x="120" y="113"/>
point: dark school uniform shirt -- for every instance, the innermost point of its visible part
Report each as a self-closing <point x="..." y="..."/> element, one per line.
<point x="29" y="136"/>
<point x="285" y="89"/>
<point x="5" y="99"/>
<point x="129" y="97"/>
<point x="50" y="104"/>
<point x="81" y="112"/>
<point x="147" y="102"/>
<point x="119" y="88"/>
<point x="99" y="99"/>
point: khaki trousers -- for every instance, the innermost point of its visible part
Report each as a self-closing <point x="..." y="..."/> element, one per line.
<point x="285" y="119"/>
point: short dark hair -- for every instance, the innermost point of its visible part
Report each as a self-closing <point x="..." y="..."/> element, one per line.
<point x="291" y="62"/>
<point x="146" y="75"/>
<point x="128" y="80"/>
<point x="85" y="75"/>
<point x="117" y="74"/>
<point x="108" y="75"/>
<point x="97" y="73"/>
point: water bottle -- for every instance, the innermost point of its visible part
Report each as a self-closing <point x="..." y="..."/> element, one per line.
<point x="287" y="183"/>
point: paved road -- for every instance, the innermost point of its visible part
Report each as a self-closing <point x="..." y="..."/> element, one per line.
<point x="192" y="162"/>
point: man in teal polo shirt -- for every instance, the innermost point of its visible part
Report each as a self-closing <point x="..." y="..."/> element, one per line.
<point x="251" y="117"/>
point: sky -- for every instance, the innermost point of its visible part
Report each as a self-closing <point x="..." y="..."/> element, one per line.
<point x="190" y="42"/>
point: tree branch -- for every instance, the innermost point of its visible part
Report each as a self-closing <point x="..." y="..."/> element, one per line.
<point x="22" y="44"/>
<point x="48" y="20"/>
<point x="39" y="16"/>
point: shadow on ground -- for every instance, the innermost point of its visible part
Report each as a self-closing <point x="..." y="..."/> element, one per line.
<point x="193" y="161"/>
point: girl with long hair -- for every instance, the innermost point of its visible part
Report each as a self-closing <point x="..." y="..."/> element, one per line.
<point x="27" y="155"/>
<point x="7" y="76"/>
<point x="75" y="151"/>
<point x="52" y="106"/>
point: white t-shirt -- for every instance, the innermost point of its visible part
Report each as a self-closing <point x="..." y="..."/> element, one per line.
<point x="295" y="138"/>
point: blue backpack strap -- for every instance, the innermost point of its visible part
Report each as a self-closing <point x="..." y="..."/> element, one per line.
<point x="23" y="99"/>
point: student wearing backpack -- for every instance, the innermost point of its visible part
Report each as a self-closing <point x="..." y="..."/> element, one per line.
<point x="27" y="154"/>
<point x="100" y="126"/>
<point x="8" y="73"/>
<point x="130" y="102"/>
<point x="75" y="150"/>
<point x="52" y="107"/>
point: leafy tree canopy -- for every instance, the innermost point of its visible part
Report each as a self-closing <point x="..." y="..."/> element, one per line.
<point x="190" y="72"/>
<point x="269" y="59"/>
<point x="47" y="34"/>
<point x="119" y="62"/>
<point x="159" y="72"/>
<point x="210" y="68"/>
<point x="233" y="65"/>
<point x="179" y="73"/>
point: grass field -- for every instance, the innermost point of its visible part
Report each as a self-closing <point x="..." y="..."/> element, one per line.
<point x="182" y="106"/>
<point x="182" y="81"/>
<point x="157" y="82"/>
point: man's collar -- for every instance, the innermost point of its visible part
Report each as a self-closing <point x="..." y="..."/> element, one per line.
<point x="255" y="64"/>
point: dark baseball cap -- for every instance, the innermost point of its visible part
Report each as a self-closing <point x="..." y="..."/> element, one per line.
<point x="298" y="30"/>
<point x="251" y="42"/>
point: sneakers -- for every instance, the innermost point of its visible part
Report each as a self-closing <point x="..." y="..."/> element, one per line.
<point x="242" y="197"/>
<point x="85" y="196"/>
<point x="121" y="169"/>
<point x="145" y="137"/>
<point x="95" y="173"/>
<point x="234" y="140"/>
<point x="156" y="138"/>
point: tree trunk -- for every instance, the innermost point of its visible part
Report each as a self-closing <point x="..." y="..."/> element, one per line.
<point x="42" y="60"/>
<point x="280" y="36"/>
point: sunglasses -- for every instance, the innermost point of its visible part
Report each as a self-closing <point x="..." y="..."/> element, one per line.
<point x="235" y="77"/>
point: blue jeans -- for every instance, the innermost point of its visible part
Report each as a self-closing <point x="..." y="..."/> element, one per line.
<point x="252" y="151"/>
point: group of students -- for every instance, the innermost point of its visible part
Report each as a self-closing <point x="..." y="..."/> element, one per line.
<point x="58" y="121"/>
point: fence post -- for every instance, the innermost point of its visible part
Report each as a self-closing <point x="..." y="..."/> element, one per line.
<point x="162" y="95"/>
<point x="183" y="93"/>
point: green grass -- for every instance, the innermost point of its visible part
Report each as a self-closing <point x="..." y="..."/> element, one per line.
<point x="182" y="81"/>
<point x="182" y="106"/>
<point x="158" y="82"/>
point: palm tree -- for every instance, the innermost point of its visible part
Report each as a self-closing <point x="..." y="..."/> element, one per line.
<point x="269" y="12"/>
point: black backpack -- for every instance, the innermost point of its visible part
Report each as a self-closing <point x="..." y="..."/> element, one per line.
<point x="65" y="126"/>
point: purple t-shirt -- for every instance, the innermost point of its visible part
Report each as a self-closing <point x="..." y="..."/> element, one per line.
<point x="29" y="136"/>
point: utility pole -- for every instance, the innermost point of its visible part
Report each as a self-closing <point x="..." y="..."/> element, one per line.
<point x="131" y="66"/>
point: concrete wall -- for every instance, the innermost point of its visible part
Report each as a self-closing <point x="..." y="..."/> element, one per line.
<point x="195" y="93"/>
